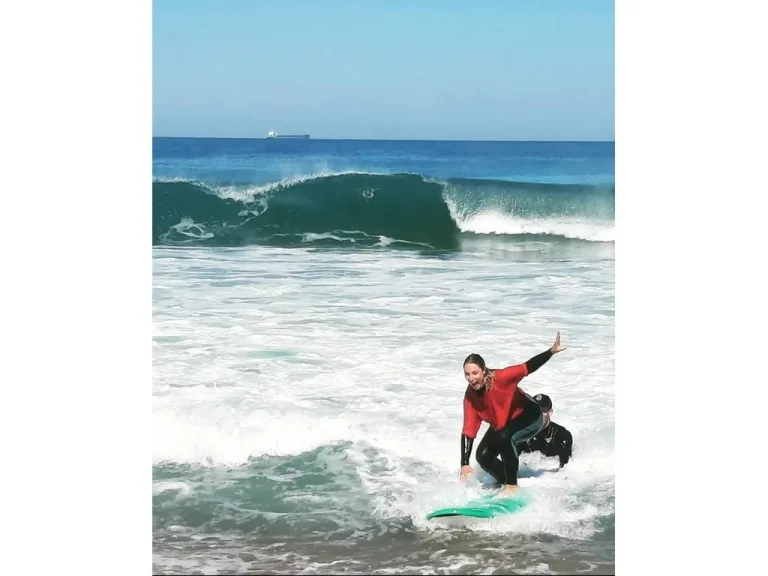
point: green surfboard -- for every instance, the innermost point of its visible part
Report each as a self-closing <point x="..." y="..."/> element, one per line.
<point x="487" y="507"/>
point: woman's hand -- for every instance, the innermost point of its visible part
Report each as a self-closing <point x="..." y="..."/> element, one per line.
<point x="556" y="346"/>
<point x="466" y="471"/>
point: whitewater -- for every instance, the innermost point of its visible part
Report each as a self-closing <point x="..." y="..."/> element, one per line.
<point x="307" y="393"/>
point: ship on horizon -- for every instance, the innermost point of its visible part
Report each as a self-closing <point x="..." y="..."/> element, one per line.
<point x="273" y="134"/>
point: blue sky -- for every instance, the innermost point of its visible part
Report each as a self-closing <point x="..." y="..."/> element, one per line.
<point x="394" y="69"/>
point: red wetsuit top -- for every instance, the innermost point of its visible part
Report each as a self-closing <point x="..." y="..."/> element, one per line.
<point x="505" y="400"/>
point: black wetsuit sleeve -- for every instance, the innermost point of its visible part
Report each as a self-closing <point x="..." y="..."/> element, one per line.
<point x="565" y="447"/>
<point x="538" y="361"/>
<point x="466" y="449"/>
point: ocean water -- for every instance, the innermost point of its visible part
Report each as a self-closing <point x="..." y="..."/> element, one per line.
<point x="313" y="302"/>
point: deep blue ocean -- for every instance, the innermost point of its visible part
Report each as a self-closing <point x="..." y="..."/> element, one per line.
<point x="428" y="194"/>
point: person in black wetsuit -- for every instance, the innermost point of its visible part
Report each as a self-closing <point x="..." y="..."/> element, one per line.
<point x="553" y="439"/>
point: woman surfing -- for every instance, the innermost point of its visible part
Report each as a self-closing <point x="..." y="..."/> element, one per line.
<point x="494" y="396"/>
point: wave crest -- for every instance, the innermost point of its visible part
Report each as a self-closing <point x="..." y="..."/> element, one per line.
<point x="362" y="209"/>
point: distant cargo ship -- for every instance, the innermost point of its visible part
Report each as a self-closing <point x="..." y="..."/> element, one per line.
<point x="276" y="135"/>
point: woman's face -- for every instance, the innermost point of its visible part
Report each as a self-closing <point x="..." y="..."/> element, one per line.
<point x="474" y="375"/>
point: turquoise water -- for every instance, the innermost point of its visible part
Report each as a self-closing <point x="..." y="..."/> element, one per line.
<point x="312" y="304"/>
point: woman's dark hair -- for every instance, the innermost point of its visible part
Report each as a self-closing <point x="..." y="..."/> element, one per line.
<point x="475" y="359"/>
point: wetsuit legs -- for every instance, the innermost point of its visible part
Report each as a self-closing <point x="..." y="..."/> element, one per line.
<point x="487" y="455"/>
<point x="502" y="443"/>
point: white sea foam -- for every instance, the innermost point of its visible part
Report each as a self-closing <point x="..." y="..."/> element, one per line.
<point x="265" y="351"/>
<point x="492" y="222"/>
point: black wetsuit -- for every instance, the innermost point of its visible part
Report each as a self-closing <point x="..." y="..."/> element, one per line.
<point x="553" y="440"/>
<point x="502" y="442"/>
